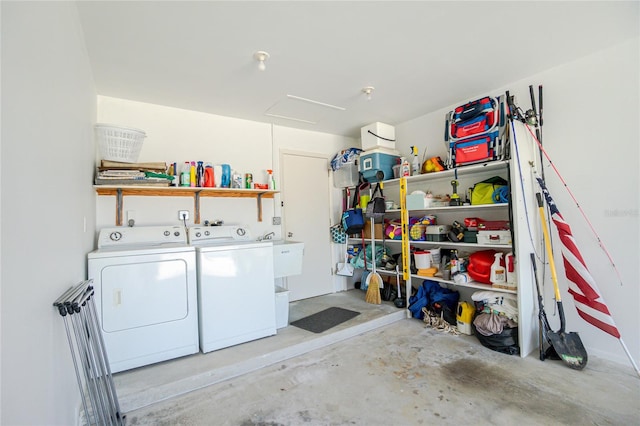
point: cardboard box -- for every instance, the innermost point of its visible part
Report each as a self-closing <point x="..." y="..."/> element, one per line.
<point x="377" y="135"/>
<point x="377" y="230"/>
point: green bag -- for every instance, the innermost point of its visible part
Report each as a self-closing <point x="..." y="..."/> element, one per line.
<point x="490" y="191"/>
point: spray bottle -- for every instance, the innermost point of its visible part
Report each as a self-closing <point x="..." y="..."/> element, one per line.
<point x="270" y="180"/>
<point x="405" y="167"/>
<point x="415" y="164"/>
<point x="498" y="275"/>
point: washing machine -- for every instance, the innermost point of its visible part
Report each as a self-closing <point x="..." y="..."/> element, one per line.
<point x="236" y="294"/>
<point x="145" y="294"/>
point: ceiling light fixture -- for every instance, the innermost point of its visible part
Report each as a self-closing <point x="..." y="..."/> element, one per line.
<point x="261" y="56"/>
<point x="367" y="91"/>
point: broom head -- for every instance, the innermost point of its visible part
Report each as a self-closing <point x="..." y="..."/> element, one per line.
<point x="373" y="291"/>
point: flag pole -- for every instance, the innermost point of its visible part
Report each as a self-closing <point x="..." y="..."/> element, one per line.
<point x="635" y="366"/>
<point x="584" y="215"/>
<point x="624" y="346"/>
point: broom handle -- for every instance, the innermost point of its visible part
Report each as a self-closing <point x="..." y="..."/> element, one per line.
<point x="552" y="263"/>
<point x="547" y="243"/>
<point x="373" y="246"/>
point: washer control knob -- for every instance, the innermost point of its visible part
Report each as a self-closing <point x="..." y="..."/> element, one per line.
<point x="207" y="233"/>
<point x="176" y="233"/>
<point x="241" y="232"/>
<point x="198" y="234"/>
<point x="115" y="236"/>
<point x="167" y="233"/>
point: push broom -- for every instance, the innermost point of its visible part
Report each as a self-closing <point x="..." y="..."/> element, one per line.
<point x="373" y="279"/>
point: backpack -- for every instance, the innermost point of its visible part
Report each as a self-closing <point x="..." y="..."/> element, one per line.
<point x="435" y="298"/>
<point x="490" y="191"/>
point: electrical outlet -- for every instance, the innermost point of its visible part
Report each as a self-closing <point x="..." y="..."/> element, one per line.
<point x="277" y="220"/>
<point x="183" y="214"/>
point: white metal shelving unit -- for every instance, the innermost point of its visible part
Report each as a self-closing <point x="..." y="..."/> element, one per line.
<point x="440" y="183"/>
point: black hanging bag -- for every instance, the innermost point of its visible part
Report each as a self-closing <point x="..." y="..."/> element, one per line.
<point x="376" y="207"/>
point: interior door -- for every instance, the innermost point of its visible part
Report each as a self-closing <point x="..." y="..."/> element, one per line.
<point x="306" y="215"/>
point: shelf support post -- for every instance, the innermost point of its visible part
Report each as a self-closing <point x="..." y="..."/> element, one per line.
<point x="259" y="201"/>
<point x="196" y="208"/>
<point x="406" y="255"/>
<point x="119" y="207"/>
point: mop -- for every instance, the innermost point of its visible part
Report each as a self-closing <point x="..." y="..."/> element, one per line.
<point x="345" y="268"/>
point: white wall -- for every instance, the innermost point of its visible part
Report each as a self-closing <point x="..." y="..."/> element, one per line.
<point x="591" y="133"/>
<point x="177" y="135"/>
<point x="48" y="107"/>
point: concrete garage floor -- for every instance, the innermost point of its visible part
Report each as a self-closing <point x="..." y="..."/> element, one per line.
<point x="379" y="368"/>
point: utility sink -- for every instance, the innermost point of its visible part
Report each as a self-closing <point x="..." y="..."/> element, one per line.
<point x="287" y="258"/>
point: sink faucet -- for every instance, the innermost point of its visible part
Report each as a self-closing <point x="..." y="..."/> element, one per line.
<point x="268" y="236"/>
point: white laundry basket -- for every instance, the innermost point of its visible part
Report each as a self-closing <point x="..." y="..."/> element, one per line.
<point x="119" y="143"/>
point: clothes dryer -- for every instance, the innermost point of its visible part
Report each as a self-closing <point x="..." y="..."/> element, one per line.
<point x="146" y="294"/>
<point x="236" y="292"/>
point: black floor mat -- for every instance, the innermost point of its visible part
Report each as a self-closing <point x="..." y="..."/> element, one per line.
<point x="324" y="320"/>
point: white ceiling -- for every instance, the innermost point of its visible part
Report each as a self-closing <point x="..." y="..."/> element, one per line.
<point x="420" y="56"/>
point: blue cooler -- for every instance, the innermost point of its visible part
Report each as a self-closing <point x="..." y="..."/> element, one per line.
<point x="376" y="161"/>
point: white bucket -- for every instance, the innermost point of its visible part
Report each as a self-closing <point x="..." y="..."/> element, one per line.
<point x="435" y="256"/>
<point x="423" y="259"/>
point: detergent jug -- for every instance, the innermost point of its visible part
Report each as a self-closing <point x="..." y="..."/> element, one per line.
<point x="464" y="317"/>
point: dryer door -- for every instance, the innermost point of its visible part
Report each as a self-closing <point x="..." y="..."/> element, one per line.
<point x="143" y="294"/>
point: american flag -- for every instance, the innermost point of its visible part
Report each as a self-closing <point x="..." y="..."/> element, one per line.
<point x="582" y="286"/>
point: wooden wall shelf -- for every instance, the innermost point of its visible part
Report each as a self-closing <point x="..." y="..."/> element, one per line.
<point x="120" y="191"/>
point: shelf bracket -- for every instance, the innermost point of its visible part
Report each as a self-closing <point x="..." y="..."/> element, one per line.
<point x="119" y="207"/>
<point x="196" y="208"/>
<point x="259" y="201"/>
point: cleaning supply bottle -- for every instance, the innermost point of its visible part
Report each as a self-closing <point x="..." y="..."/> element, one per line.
<point x="454" y="265"/>
<point x="200" y="175"/>
<point x="185" y="174"/>
<point x="405" y="167"/>
<point x="192" y="174"/>
<point x="498" y="274"/>
<point x="270" y="181"/>
<point x="415" y="163"/>
<point x="208" y="176"/>
<point x="236" y="179"/>
<point x="510" y="266"/>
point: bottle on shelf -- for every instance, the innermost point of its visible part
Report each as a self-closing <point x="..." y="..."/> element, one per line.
<point x="415" y="162"/>
<point x="270" y="180"/>
<point x="200" y="175"/>
<point x="405" y="167"/>
<point x="454" y="263"/>
<point x="510" y="266"/>
<point x="192" y="174"/>
<point x="185" y="174"/>
<point x="498" y="273"/>
<point x="208" y="176"/>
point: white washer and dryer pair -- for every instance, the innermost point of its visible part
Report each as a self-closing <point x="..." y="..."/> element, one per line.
<point x="146" y="294"/>
<point x="236" y="293"/>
